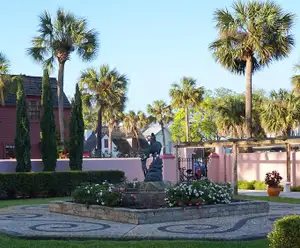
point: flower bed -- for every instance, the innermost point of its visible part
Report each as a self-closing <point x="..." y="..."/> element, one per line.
<point x="122" y="203"/>
<point x="197" y="193"/>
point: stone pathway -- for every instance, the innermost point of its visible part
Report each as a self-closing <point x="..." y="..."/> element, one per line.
<point x="36" y="221"/>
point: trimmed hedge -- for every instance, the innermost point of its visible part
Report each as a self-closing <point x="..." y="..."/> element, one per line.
<point x="295" y="188"/>
<point x="51" y="184"/>
<point x="286" y="233"/>
<point x="259" y="185"/>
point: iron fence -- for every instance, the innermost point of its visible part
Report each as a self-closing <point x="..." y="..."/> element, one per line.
<point x="191" y="169"/>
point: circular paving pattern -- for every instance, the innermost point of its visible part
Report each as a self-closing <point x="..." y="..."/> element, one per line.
<point x="34" y="207"/>
<point x="19" y="216"/>
<point x="211" y="229"/>
<point x="69" y="226"/>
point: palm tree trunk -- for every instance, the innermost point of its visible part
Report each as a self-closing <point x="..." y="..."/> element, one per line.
<point x="187" y="124"/>
<point x="248" y="111"/>
<point x="164" y="137"/>
<point x="2" y="102"/>
<point x="60" y="97"/>
<point x="99" y="133"/>
<point x="110" y="129"/>
<point x="137" y="140"/>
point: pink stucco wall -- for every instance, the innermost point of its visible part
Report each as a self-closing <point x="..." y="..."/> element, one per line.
<point x="131" y="166"/>
<point x="254" y="166"/>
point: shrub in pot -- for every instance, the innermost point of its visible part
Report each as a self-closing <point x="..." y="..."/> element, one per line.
<point x="272" y="180"/>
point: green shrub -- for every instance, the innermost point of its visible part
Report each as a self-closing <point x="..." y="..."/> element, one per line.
<point x="260" y="185"/>
<point x="242" y="184"/>
<point x="197" y="193"/>
<point x="286" y="233"/>
<point x="37" y="184"/>
<point x="105" y="194"/>
<point x="295" y="188"/>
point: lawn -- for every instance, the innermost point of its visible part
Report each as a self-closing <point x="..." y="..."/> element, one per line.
<point x="8" y="203"/>
<point x="270" y="199"/>
<point x="20" y="243"/>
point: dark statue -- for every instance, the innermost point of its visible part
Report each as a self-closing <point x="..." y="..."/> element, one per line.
<point x="154" y="173"/>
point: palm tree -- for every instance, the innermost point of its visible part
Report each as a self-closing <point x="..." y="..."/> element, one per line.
<point x="4" y="68"/>
<point x="103" y="89"/>
<point x="161" y="113"/>
<point x="296" y="80"/>
<point x="186" y="95"/>
<point x="281" y="113"/>
<point x="58" y="38"/>
<point x="113" y="116"/>
<point x="253" y="36"/>
<point x="230" y="116"/>
<point x="133" y="123"/>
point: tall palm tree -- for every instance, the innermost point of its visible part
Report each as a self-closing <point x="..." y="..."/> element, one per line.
<point x="103" y="89"/>
<point x="253" y="36"/>
<point x="133" y="122"/>
<point x="281" y="112"/>
<point x="4" y="68"/>
<point x="162" y="114"/>
<point x="186" y="95"/>
<point x="58" y="38"/>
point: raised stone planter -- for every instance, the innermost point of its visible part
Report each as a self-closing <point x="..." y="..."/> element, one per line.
<point x="149" y="216"/>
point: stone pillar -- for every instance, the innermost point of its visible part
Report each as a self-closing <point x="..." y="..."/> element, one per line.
<point x="213" y="168"/>
<point x="170" y="170"/>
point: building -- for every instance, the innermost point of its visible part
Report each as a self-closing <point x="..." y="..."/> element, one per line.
<point x="33" y="91"/>
<point x="122" y="144"/>
<point x="156" y="129"/>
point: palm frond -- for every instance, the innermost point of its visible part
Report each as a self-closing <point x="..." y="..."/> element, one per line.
<point x="260" y="30"/>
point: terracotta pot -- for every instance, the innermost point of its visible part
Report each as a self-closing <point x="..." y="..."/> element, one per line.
<point x="273" y="191"/>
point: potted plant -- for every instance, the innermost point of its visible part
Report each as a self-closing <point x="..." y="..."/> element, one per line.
<point x="272" y="180"/>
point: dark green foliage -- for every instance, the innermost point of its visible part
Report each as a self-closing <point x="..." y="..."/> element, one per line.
<point x="286" y="233"/>
<point x="48" y="128"/>
<point x="295" y="188"/>
<point x="76" y="132"/>
<point x="37" y="184"/>
<point x="22" y="139"/>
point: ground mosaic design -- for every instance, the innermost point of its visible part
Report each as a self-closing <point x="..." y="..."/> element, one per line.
<point x="37" y="222"/>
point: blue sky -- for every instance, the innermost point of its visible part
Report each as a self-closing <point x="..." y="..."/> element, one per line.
<point x="154" y="42"/>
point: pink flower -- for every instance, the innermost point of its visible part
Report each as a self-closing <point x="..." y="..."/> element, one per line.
<point x="179" y="204"/>
<point x="190" y="204"/>
<point x="133" y="196"/>
<point x="197" y="203"/>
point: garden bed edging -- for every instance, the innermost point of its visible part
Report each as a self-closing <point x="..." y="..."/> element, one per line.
<point x="149" y="216"/>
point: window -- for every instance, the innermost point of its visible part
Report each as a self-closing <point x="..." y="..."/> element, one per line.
<point x="106" y="143"/>
<point x="10" y="152"/>
<point x="34" y="110"/>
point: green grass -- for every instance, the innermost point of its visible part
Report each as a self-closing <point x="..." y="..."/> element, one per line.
<point x="9" y="203"/>
<point x="20" y="243"/>
<point x="270" y="199"/>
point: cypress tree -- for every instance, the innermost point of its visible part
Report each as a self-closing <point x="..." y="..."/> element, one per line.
<point x="22" y="139"/>
<point x="48" y="128"/>
<point x="76" y="132"/>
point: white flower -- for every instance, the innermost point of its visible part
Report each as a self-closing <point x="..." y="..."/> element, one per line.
<point x="197" y="195"/>
<point x="102" y="203"/>
<point x="88" y="191"/>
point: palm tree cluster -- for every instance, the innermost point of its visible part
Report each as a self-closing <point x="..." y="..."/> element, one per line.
<point x="250" y="38"/>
